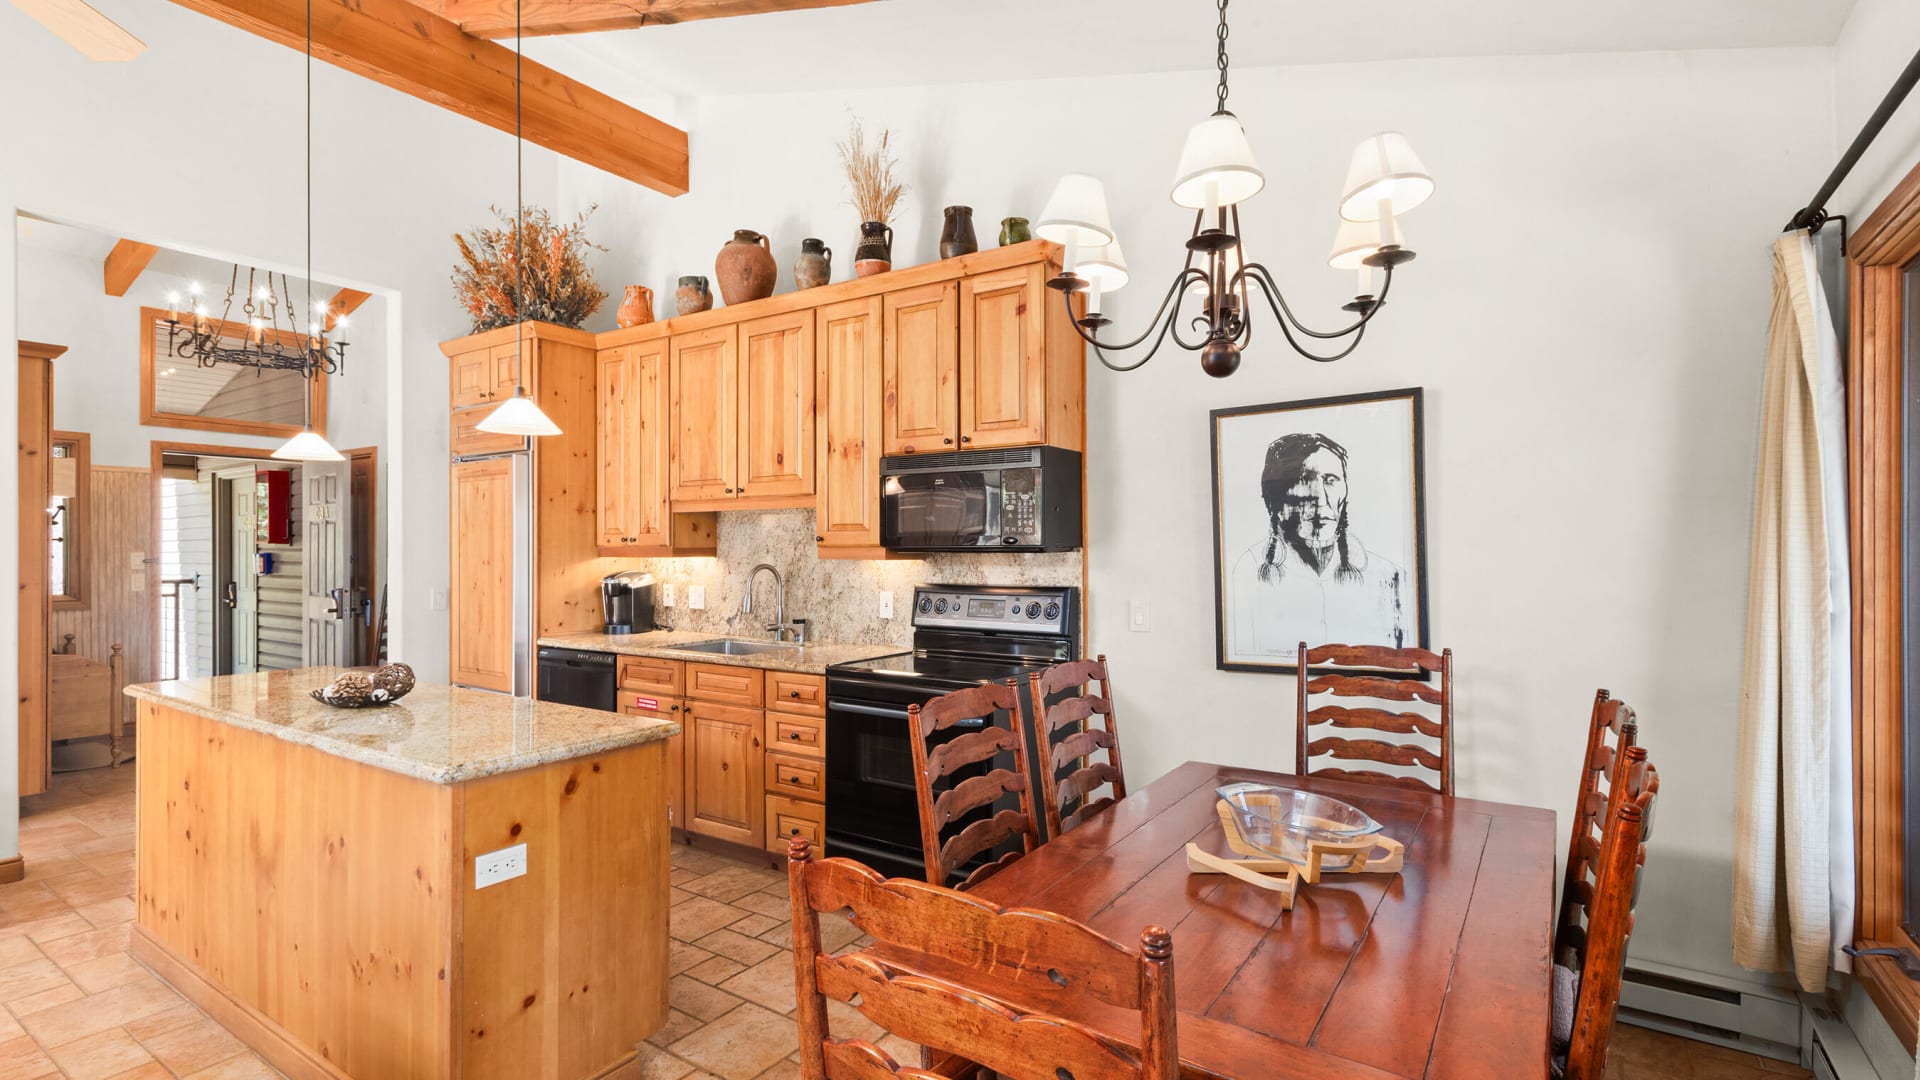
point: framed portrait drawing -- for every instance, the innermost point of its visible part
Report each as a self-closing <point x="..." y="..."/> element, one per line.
<point x="1319" y="527"/>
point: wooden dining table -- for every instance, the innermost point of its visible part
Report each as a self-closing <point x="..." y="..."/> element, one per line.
<point x="1440" y="970"/>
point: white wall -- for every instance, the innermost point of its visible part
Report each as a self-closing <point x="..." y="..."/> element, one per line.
<point x="1587" y="315"/>
<point x="1876" y="43"/>
<point x="126" y="148"/>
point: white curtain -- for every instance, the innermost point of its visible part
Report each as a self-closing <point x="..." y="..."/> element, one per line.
<point x="1793" y="858"/>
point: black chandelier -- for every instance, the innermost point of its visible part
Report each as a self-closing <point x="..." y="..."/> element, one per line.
<point x="1216" y="173"/>
<point x="264" y="344"/>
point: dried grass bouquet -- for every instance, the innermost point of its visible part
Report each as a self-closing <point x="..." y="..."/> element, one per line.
<point x="557" y="286"/>
<point x="872" y="189"/>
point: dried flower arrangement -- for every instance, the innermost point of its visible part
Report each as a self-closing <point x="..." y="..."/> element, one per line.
<point x="557" y="286"/>
<point x="874" y="191"/>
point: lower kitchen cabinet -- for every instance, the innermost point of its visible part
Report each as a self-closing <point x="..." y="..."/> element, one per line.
<point x="655" y="708"/>
<point x="726" y="771"/>
<point x="788" y="818"/>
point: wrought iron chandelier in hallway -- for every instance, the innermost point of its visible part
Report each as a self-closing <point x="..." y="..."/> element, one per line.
<point x="1217" y="172"/>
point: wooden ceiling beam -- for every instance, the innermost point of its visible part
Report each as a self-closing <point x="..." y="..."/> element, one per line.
<point x="344" y="303"/>
<point x="125" y="263"/>
<point x="416" y="52"/>
<point x="494" y="18"/>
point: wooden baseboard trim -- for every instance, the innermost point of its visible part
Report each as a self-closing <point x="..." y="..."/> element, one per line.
<point x="13" y="869"/>
<point x="259" y="1032"/>
<point x="624" y="1068"/>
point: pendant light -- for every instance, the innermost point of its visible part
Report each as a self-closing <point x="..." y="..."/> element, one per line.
<point x="309" y="445"/>
<point x="518" y="415"/>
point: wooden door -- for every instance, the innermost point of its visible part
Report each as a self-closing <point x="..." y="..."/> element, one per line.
<point x="327" y="564"/>
<point x="1003" y="387"/>
<point x="241" y="593"/>
<point x="617" y="426"/>
<point x="482" y="573"/>
<point x="472" y="374"/>
<point x="503" y="358"/>
<point x="776" y="406"/>
<point x="648" y="707"/>
<point x="921" y="408"/>
<point x="704" y="416"/>
<point x="36" y="561"/>
<point x="847" y="513"/>
<point x="725" y="772"/>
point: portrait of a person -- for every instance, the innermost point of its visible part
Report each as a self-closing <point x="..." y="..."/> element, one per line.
<point x="1311" y="578"/>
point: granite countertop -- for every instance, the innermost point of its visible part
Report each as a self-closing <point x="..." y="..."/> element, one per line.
<point x="807" y="660"/>
<point x="439" y="733"/>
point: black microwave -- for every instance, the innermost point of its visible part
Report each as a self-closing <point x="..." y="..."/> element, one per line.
<point x="1024" y="499"/>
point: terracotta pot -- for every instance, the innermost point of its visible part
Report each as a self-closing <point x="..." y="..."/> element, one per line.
<point x="1014" y="230"/>
<point x="956" y="233"/>
<point x="636" y="309"/>
<point x="692" y="295"/>
<point x="814" y="267"/>
<point x="875" y="253"/>
<point x="745" y="268"/>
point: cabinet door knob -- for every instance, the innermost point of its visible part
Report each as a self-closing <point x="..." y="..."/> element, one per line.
<point x="819" y="539"/>
<point x="795" y="736"/>
<point x="793" y="693"/>
<point x="966" y="438"/>
<point x="948" y="442"/>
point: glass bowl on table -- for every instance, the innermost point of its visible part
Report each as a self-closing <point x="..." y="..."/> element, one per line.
<point x="1280" y="823"/>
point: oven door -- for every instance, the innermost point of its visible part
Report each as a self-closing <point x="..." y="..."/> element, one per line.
<point x="940" y="511"/>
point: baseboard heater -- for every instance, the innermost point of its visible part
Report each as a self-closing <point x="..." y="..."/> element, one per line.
<point x="1772" y="1023"/>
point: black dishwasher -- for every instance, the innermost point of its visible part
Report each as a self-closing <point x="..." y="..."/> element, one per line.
<point x="577" y="677"/>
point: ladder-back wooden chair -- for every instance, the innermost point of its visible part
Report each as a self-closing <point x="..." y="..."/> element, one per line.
<point x="1623" y="855"/>
<point x="974" y="946"/>
<point x="1078" y="712"/>
<point x="936" y="760"/>
<point x="1383" y="675"/>
<point x="1594" y="804"/>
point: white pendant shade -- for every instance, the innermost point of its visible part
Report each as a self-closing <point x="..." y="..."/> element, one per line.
<point x="518" y="416"/>
<point x="1104" y="267"/>
<point x="1216" y="153"/>
<point x="308" y="446"/>
<point x="1356" y="240"/>
<point x="1076" y="213"/>
<point x="1384" y="168"/>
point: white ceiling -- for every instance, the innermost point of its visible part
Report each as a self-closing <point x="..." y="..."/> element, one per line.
<point x="42" y="234"/>
<point x="913" y="42"/>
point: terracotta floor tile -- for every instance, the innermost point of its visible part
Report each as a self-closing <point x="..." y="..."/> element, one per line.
<point x="46" y="999"/>
<point x="108" y="912"/>
<point x="32" y="977"/>
<point x="678" y="1026"/>
<point x="106" y="972"/>
<point x="79" y="890"/>
<point x="777" y="888"/>
<point x="740" y="1045"/>
<point x="15" y="951"/>
<point x="42" y="931"/>
<point x="195" y="1046"/>
<point x="31" y="904"/>
<point x="22" y="1059"/>
<point x="676" y="897"/>
<point x="766" y="903"/>
<point x="731" y="883"/>
<point x="701" y="916"/>
<point x="681" y="956"/>
<point x="98" y="1012"/>
<point x="847" y="1022"/>
<point x="152" y="1070"/>
<point x="688" y="857"/>
<point x="64" y="833"/>
<point x="165" y="1020"/>
<point x="786" y="1070"/>
<point x="697" y="999"/>
<point x="768" y="984"/>
<point x="97" y="1057"/>
<point x="757" y="924"/>
<point x="244" y="1067"/>
<point x="657" y="1064"/>
<point x="736" y="946"/>
<point x="715" y="970"/>
<point x="91" y="945"/>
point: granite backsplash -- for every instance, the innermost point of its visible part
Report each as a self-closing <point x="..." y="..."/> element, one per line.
<point x="840" y="597"/>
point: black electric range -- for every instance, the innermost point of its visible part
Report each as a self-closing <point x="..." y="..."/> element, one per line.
<point x="964" y="636"/>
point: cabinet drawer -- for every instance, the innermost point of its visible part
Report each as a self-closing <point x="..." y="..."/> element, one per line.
<point x="787" y="819"/>
<point x="803" y="735"/>
<point x="793" y="693"/>
<point x="726" y="684"/>
<point x="469" y="440"/>
<point x="801" y="778"/>
<point x="646" y="674"/>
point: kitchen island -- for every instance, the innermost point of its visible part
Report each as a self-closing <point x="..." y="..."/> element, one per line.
<point x="306" y="875"/>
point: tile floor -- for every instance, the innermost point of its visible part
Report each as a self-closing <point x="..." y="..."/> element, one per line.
<point x="73" y="1004"/>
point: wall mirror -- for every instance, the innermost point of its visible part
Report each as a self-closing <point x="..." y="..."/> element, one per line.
<point x="177" y="391"/>
<point x="68" y="511"/>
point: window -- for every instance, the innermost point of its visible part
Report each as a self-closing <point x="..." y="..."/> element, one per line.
<point x="68" y="509"/>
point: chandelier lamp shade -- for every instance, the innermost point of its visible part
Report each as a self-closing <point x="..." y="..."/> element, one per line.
<point x="1217" y="172"/>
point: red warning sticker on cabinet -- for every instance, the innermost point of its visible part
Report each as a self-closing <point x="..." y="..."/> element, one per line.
<point x="650" y="703"/>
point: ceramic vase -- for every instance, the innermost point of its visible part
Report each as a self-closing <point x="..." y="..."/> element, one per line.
<point x="956" y="234"/>
<point x="692" y="295"/>
<point x="744" y="269"/>
<point x="814" y="267"/>
<point x="636" y="309"/>
<point x="1014" y="230"/>
<point x="875" y="253"/>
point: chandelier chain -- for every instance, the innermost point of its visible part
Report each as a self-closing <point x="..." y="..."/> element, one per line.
<point x="1220" y="60"/>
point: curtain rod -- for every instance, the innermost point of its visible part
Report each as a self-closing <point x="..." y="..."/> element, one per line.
<point x="1814" y="214"/>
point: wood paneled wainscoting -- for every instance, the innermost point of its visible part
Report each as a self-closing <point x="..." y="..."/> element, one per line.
<point x="119" y="608"/>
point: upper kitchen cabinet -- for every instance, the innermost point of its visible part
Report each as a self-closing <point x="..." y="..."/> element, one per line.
<point x="847" y="512"/>
<point x="1003" y="385"/>
<point x="742" y="413"/>
<point x="922" y="369"/>
<point x="632" y="509"/>
<point x="704" y="414"/>
<point x="482" y="371"/>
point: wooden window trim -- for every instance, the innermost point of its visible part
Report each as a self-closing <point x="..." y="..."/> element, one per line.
<point x="152" y="417"/>
<point x="1886" y="243"/>
<point x="79" y="524"/>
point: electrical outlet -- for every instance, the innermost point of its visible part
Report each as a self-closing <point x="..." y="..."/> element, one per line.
<point x="697" y="597"/>
<point x="666" y="594"/>
<point x="437" y="600"/>
<point x="495" y="867"/>
<point x="886" y="603"/>
<point x="1137" y="620"/>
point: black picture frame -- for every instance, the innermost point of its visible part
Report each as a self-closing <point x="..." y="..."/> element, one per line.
<point x="1233" y="654"/>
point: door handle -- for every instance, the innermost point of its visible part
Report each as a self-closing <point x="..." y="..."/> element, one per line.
<point x="232" y="594"/>
<point x="340" y="605"/>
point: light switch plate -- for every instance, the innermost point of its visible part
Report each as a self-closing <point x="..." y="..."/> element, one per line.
<point x="666" y="594"/>
<point x="1137" y="617"/>
<point x="137" y="581"/>
<point x="437" y="600"/>
<point x="697" y="597"/>
<point x="495" y="867"/>
<point x="886" y="603"/>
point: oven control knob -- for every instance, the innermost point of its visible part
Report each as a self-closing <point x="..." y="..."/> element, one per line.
<point x="940" y="606"/>
<point x="926" y="605"/>
<point x="1053" y="611"/>
<point x="1033" y="610"/>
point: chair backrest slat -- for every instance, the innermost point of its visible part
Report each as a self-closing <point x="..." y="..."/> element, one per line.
<point x="934" y="764"/>
<point x="1415" y="666"/>
<point x="1617" y="879"/>
<point x="1070" y="800"/>
<point x="946" y="1004"/>
<point x="1598" y="796"/>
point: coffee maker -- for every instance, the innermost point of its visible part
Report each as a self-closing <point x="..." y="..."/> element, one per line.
<point x="626" y="602"/>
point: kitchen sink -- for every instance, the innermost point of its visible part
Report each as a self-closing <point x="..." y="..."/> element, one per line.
<point x="737" y="647"/>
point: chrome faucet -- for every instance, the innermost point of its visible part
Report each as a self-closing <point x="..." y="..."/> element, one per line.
<point x="778" y="627"/>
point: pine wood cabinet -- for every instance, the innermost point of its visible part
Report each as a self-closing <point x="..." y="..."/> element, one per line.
<point x="482" y="583"/>
<point x="1003" y="377"/>
<point x="922" y="369"/>
<point x="848" y="344"/>
<point x="776" y="406"/>
<point x="726" y="773"/>
<point x="632" y="511"/>
<point x="704" y="414"/>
